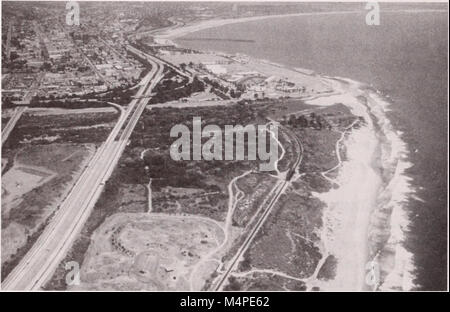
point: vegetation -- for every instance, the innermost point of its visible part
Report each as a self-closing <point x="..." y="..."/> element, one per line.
<point x="175" y="87"/>
<point x="38" y="205"/>
<point x="67" y="104"/>
<point x="67" y="128"/>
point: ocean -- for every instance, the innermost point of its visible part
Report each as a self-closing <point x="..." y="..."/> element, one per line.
<point x="405" y="59"/>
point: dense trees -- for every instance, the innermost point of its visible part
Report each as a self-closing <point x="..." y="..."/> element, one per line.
<point x="312" y="121"/>
<point x="170" y="90"/>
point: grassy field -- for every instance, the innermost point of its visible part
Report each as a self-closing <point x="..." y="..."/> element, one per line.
<point x="44" y="156"/>
<point x="32" y="190"/>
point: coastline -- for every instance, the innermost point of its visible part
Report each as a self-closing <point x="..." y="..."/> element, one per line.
<point x="369" y="217"/>
<point x="177" y="32"/>
<point x="387" y="240"/>
<point x="372" y="189"/>
<point x="173" y="33"/>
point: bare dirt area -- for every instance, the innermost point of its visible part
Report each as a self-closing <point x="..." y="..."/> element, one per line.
<point x="264" y="281"/>
<point x="19" y="180"/>
<point x="32" y="189"/>
<point x="147" y="251"/>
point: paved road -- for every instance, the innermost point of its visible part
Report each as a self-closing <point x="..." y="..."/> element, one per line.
<point x="12" y="122"/>
<point x="8" y="41"/>
<point x="32" y="90"/>
<point x="39" y="264"/>
<point x="20" y="110"/>
<point x="156" y="59"/>
<point x="85" y="57"/>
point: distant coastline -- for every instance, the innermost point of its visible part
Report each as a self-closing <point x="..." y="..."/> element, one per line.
<point x="216" y="39"/>
<point x="176" y="32"/>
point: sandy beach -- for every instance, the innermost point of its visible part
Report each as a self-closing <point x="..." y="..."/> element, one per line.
<point x="347" y="216"/>
<point x="367" y="207"/>
<point x="173" y="33"/>
<point x="372" y="172"/>
<point x="205" y="24"/>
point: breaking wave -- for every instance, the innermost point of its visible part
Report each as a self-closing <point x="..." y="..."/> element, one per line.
<point x="389" y="220"/>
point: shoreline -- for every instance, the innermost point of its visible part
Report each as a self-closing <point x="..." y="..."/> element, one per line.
<point x="381" y="225"/>
<point x="392" y="204"/>
<point x="173" y="33"/>
<point x="373" y="150"/>
<point x="349" y="207"/>
<point x="177" y="32"/>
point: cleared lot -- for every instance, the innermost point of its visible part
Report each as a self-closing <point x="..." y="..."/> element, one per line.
<point x="38" y="179"/>
<point x="147" y="251"/>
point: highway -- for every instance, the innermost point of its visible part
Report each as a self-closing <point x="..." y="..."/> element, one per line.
<point x="21" y="109"/>
<point x="156" y="59"/>
<point x="39" y="264"/>
<point x="18" y="111"/>
<point x="32" y="90"/>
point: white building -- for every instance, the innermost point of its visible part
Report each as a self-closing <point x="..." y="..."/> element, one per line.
<point x="216" y="69"/>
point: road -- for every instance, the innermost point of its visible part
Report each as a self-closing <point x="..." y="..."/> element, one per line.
<point x="8" y="41"/>
<point x="278" y="191"/>
<point x="39" y="264"/>
<point x="113" y="49"/>
<point x="32" y="90"/>
<point x="42" y="46"/>
<point x="93" y="67"/>
<point x="161" y="61"/>
<point x="86" y="58"/>
<point x="18" y="111"/>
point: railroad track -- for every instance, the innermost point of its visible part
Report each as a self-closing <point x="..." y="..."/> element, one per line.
<point x="279" y="189"/>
